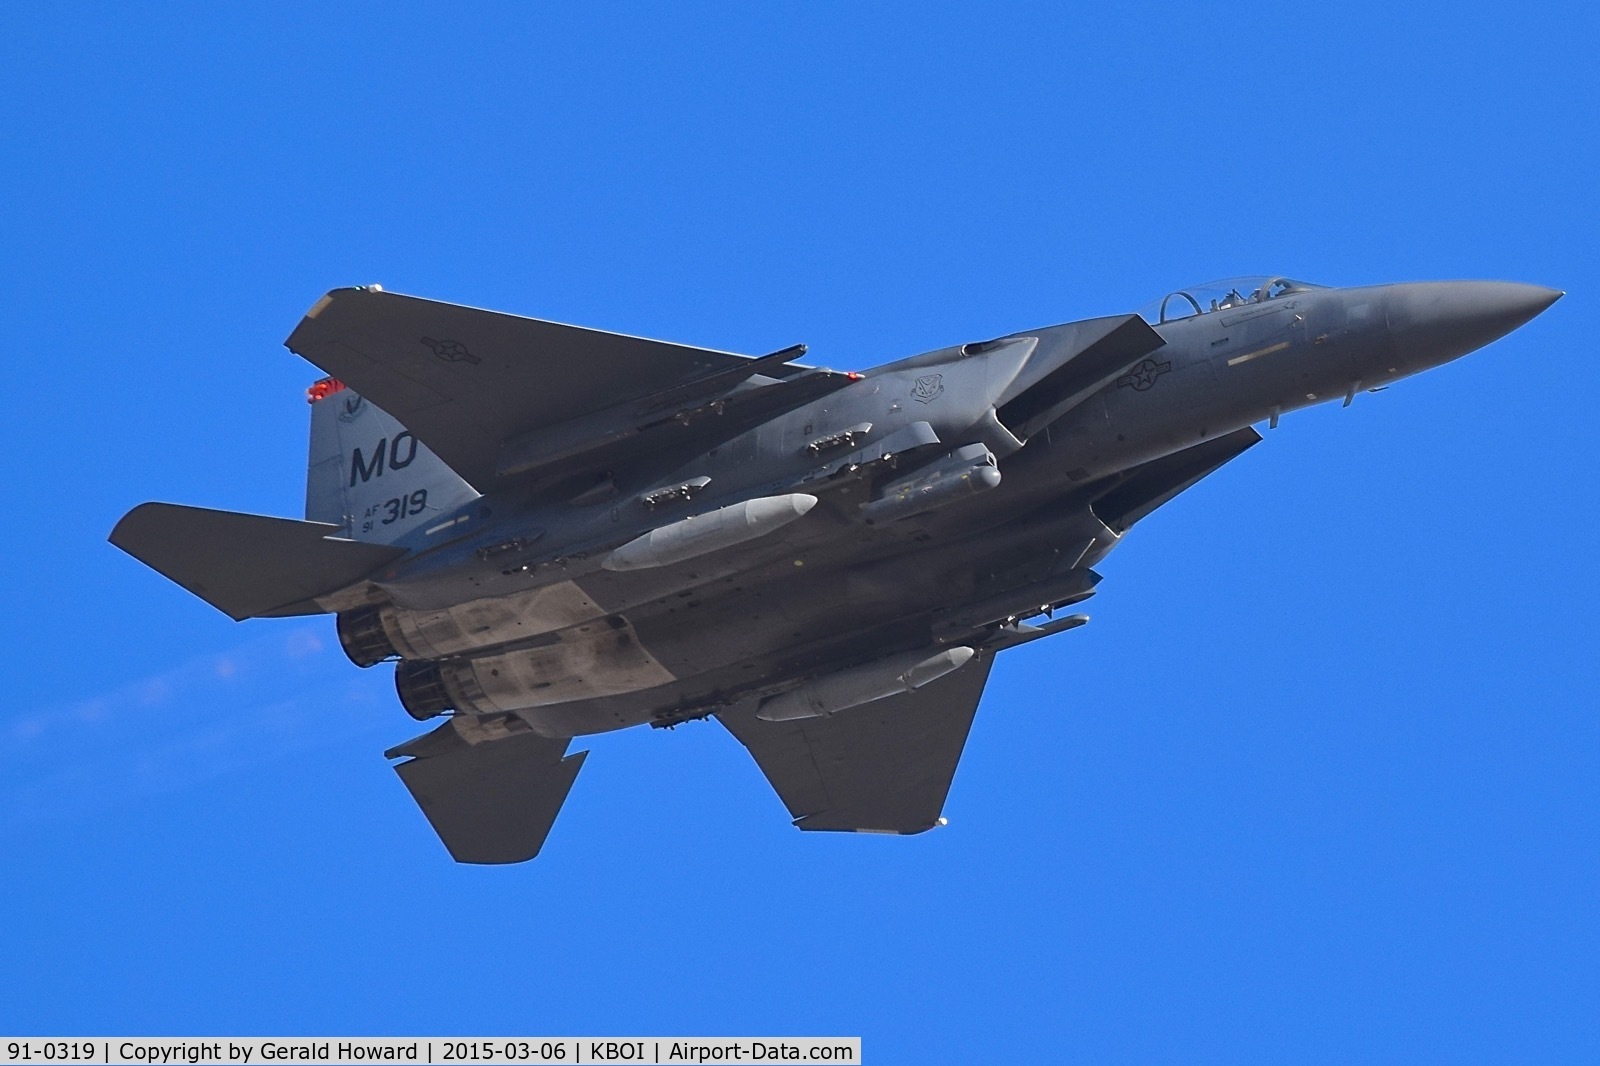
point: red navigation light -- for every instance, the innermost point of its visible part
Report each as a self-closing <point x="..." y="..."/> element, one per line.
<point x="853" y="376"/>
<point x="325" y="387"/>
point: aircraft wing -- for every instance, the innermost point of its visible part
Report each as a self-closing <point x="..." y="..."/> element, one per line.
<point x="882" y="767"/>
<point x="466" y="381"/>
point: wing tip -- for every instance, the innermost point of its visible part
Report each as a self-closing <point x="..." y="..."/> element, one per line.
<point x="804" y="823"/>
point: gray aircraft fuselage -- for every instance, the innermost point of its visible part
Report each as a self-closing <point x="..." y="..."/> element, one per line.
<point x="555" y="531"/>
<point x="520" y="612"/>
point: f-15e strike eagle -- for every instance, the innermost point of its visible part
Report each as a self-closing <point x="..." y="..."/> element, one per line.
<point x="554" y="531"/>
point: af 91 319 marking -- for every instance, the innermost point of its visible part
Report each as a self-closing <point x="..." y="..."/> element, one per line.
<point x="394" y="509"/>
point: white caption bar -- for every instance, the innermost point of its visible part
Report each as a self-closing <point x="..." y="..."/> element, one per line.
<point x="445" y="1050"/>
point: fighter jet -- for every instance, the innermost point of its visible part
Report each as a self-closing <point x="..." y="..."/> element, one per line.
<point x="553" y="531"/>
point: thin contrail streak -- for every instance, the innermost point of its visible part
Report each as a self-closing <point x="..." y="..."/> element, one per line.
<point x="207" y="717"/>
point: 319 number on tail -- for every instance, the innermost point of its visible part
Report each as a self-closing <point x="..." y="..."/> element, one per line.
<point x="393" y="510"/>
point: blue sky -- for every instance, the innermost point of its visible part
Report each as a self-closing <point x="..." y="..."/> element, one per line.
<point x="1317" y="784"/>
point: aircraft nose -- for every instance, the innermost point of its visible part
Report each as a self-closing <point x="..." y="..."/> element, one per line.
<point x="1433" y="322"/>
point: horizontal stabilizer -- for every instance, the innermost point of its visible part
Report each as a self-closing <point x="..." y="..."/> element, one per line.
<point x="882" y="767"/>
<point x="246" y="565"/>
<point x="494" y="801"/>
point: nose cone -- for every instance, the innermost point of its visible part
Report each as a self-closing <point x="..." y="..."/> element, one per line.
<point x="1433" y="322"/>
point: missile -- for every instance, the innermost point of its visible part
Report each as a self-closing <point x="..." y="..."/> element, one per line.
<point x="1074" y="586"/>
<point x="704" y="533"/>
<point x="863" y="684"/>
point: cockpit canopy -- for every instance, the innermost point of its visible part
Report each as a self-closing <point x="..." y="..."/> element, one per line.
<point x="1220" y="296"/>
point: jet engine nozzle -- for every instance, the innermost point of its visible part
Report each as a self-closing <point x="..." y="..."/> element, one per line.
<point x="363" y="636"/>
<point x="420" y="685"/>
<point x="1433" y="322"/>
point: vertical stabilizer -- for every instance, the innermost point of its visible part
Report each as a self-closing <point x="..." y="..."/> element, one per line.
<point x="368" y="474"/>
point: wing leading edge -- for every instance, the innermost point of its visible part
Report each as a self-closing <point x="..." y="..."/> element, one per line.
<point x="882" y="767"/>
<point x="467" y="381"/>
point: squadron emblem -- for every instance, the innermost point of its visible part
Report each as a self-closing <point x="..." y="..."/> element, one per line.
<point x="354" y="404"/>
<point x="927" y="389"/>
